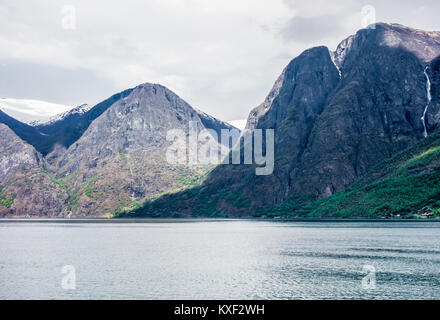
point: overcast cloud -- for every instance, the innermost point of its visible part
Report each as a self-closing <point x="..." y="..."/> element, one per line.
<point x="221" y="56"/>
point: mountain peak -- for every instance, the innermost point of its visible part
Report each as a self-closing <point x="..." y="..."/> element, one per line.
<point x="425" y="45"/>
<point x="332" y="124"/>
<point x="59" y="117"/>
<point x="30" y="110"/>
<point x="151" y="86"/>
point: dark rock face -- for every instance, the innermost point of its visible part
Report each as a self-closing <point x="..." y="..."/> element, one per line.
<point x="71" y="127"/>
<point x="338" y="114"/>
<point x="374" y="112"/>
<point x="433" y="112"/>
<point x="216" y="125"/>
<point x="259" y="111"/>
<point x="424" y="45"/>
<point x="24" y="131"/>
<point x="294" y="107"/>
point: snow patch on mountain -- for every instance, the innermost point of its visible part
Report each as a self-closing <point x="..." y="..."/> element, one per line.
<point x="77" y="110"/>
<point x="28" y="110"/>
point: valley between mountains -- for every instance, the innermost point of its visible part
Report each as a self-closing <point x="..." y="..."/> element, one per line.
<point x="356" y="135"/>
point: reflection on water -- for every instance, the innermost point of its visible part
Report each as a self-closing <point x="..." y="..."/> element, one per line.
<point x="220" y="260"/>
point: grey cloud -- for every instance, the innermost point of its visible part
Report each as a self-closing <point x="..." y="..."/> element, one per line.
<point x="222" y="56"/>
<point x="25" y="80"/>
<point x="312" y="30"/>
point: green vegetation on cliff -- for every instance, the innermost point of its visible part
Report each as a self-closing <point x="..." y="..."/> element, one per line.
<point x="6" y="200"/>
<point x="188" y="185"/>
<point x="407" y="186"/>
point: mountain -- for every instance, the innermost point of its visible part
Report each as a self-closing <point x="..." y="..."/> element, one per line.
<point x="121" y="157"/>
<point x="60" y="130"/>
<point x="407" y="185"/>
<point x="355" y="134"/>
<point x="28" y="111"/>
<point x="67" y="128"/>
<point x="336" y="115"/>
<point x="373" y="112"/>
<point x="61" y="116"/>
<point x="215" y="124"/>
<point x="25" y="186"/>
<point x="26" y="132"/>
<point x="101" y="159"/>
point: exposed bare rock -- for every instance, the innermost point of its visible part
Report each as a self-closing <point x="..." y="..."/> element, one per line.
<point x="15" y="155"/>
<point x="121" y="157"/>
<point x="25" y="188"/>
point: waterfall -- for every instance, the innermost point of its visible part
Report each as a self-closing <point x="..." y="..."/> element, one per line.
<point x="428" y="95"/>
<point x="339" y="70"/>
<point x="332" y="56"/>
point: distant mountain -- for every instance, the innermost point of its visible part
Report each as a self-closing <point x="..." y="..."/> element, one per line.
<point x="61" y="116"/>
<point x="336" y="116"/>
<point x="28" y="110"/>
<point x="24" y="131"/>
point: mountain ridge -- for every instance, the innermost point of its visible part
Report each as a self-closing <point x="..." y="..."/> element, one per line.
<point x="336" y="116"/>
<point x="110" y="155"/>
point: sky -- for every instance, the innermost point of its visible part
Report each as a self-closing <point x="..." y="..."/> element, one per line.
<point x="221" y="56"/>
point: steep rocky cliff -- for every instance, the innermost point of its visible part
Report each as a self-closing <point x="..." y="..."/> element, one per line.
<point x="405" y="186"/>
<point x="26" y="189"/>
<point x="374" y="112"/>
<point x="336" y="115"/>
<point x="432" y="118"/>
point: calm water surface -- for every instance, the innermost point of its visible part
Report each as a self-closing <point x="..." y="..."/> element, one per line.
<point x="220" y="260"/>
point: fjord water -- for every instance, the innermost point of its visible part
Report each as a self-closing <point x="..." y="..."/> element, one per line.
<point x="220" y="260"/>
